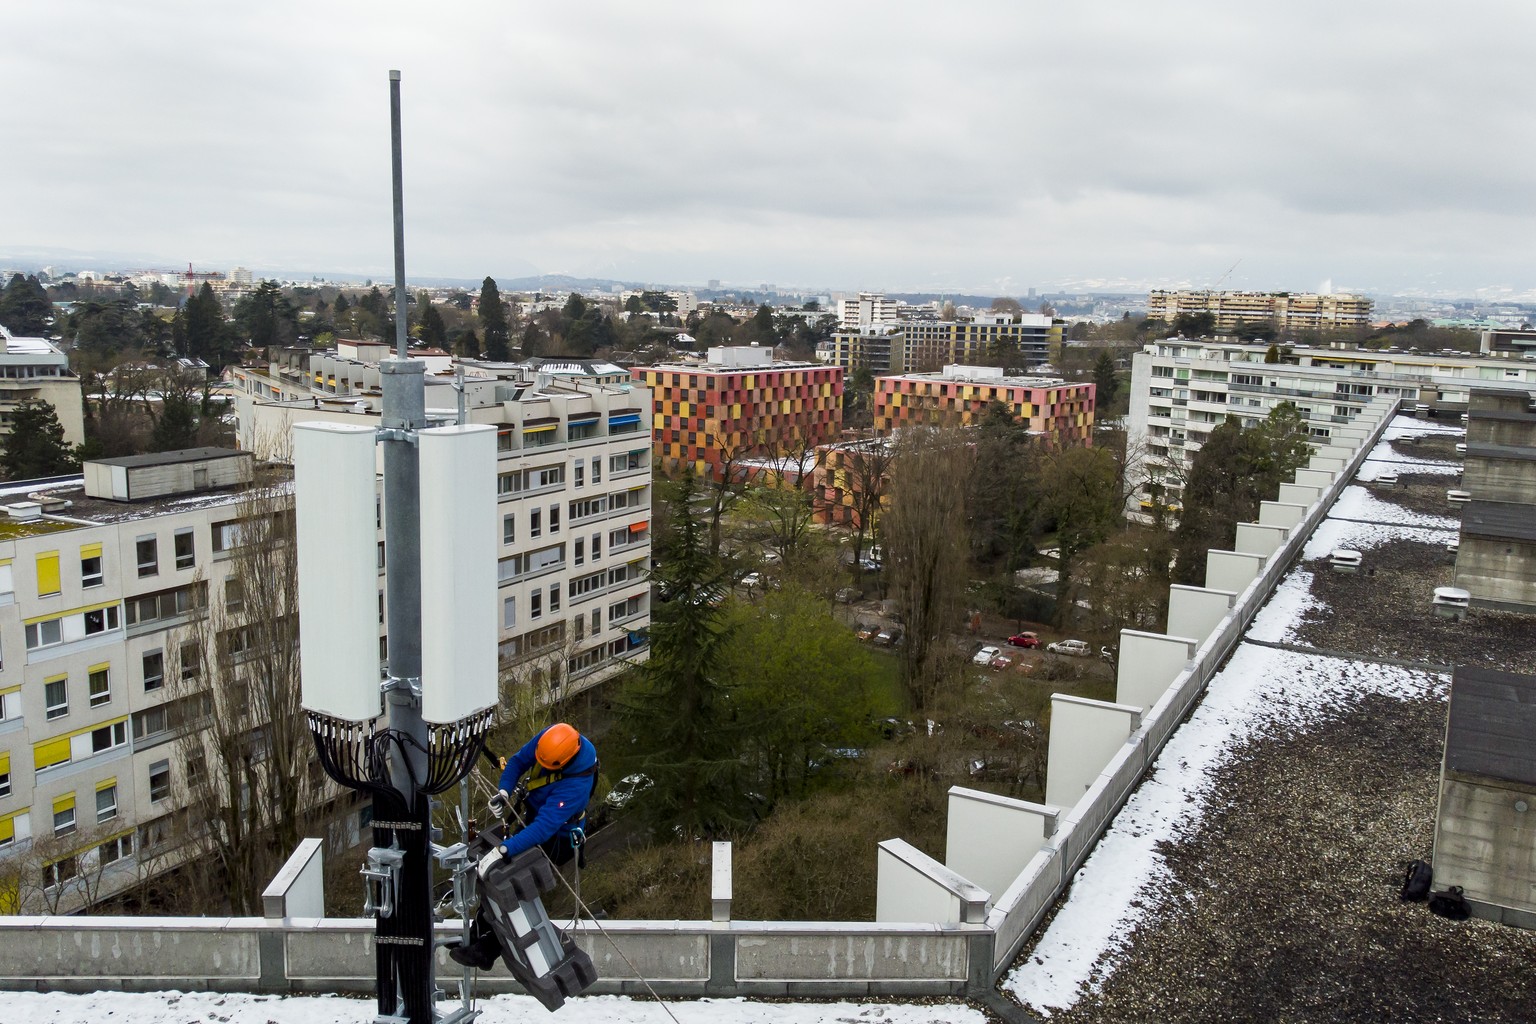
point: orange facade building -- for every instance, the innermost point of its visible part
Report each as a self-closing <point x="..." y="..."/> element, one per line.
<point x="1057" y="410"/>
<point x="740" y="405"/>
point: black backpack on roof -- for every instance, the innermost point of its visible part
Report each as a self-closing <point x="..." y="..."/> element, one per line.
<point x="1416" y="881"/>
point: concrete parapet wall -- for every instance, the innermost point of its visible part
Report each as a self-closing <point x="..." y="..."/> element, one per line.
<point x="1015" y="830"/>
<point x="1259" y="539"/>
<point x="1195" y="611"/>
<point x="1148" y="663"/>
<point x="1085" y="734"/>
<point x="1232" y="570"/>
<point x="1299" y="494"/>
<point x="1279" y="513"/>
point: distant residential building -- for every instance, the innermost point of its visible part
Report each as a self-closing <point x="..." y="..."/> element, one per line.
<point x="1019" y="340"/>
<point x="1521" y="342"/>
<point x="1182" y="389"/>
<point x="36" y="368"/>
<point x="240" y="277"/>
<point x="740" y="403"/>
<point x="866" y="308"/>
<point x="573" y="490"/>
<point x="844" y="473"/>
<point x="1057" y="410"/>
<point x="1287" y="311"/>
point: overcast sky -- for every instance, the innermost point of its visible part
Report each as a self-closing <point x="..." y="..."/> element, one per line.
<point x="981" y="146"/>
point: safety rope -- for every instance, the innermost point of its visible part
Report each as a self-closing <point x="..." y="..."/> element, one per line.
<point x="580" y="906"/>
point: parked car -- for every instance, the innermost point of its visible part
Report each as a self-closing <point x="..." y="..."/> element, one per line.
<point x="866" y="631"/>
<point x="1075" y="648"/>
<point x="985" y="656"/>
<point x="1107" y="654"/>
<point x="888" y="637"/>
<point x="625" y="790"/>
<point x="848" y="595"/>
<point x="752" y="579"/>
<point x="1000" y="661"/>
<point x="1025" y="639"/>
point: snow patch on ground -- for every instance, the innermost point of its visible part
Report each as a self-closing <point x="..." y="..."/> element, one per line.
<point x="1332" y="534"/>
<point x="1372" y="468"/>
<point x="1260" y="690"/>
<point x="1384" y="452"/>
<point x="176" y="1007"/>
<point x="1283" y="612"/>
<point x="1358" y="503"/>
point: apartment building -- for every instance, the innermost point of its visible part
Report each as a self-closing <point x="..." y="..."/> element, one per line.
<point x="574" y="502"/>
<point x="1181" y="389"/>
<point x="740" y="403"/>
<point x="1287" y="311"/>
<point x="100" y="578"/>
<point x="1055" y="409"/>
<point x="866" y="308"/>
<point x="35" y="368"/>
<point x="1019" y="340"/>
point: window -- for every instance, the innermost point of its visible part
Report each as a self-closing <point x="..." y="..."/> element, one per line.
<point x="106" y="802"/>
<point x="507" y="484"/>
<point x="588" y="507"/>
<point x="536" y="605"/>
<point x="508" y="612"/>
<point x="597" y="621"/>
<point x="154" y="670"/>
<point x="554" y="518"/>
<point x="48" y="582"/>
<point x="186" y="549"/>
<point x="597" y="546"/>
<point x="234" y="594"/>
<point x="597" y="471"/>
<point x="99" y="685"/>
<point x="59" y="872"/>
<point x="165" y="605"/>
<point x="5" y="774"/>
<point x="580" y="472"/>
<point x="227" y="536"/>
<point x="577" y="556"/>
<point x="587" y="585"/>
<point x="109" y="737"/>
<point x="508" y="529"/>
<point x="191" y="660"/>
<point x="381" y="556"/>
<point x="114" y="850"/>
<point x="148" y="556"/>
<point x="534" y="527"/>
<point x="102" y="620"/>
<point x="156" y="833"/>
<point x="56" y="697"/>
<point x="554" y="597"/>
<point x="64" y="815"/>
<point x="549" y="476"/>
<point x="90" y="565"/>
<point x="159" y="781"/>
<point x="44" y="634"/>
<point x="197" y="764"/>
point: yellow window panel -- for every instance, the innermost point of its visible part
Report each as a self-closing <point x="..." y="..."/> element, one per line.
<point x="106" y="784"/>
<point x="64" y="803"/>
<point x="50" y="752"/>
<point x="47" y="573"/>
<point x="90" y="550"/>
<point x="5" y="763"/>
<point x="7" y="829"/>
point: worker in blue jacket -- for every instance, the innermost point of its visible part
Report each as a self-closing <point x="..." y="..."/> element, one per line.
<point x="551" y="806"/>
<point x="552" y="803"/>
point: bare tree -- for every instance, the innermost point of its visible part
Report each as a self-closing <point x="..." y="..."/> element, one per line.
<point x="862" y="471"/>
<point x="245" y="753"/>
<point x="925" y="547"/>
<point x="784" y="497"/>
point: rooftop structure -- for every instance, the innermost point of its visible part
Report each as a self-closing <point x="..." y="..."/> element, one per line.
<point x="1018" y="340"/>
<point x="1496" y="558"/>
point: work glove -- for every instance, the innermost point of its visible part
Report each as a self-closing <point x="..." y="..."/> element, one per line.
<point x="501" y="803"/>
<point x="504" y="851"/>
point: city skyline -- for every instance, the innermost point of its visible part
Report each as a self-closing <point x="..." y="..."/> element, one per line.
<point x="1001" y="149"/>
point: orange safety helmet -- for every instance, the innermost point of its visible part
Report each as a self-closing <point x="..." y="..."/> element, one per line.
<point x="557" y="746"/>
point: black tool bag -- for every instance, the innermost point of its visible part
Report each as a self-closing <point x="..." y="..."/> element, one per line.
<point x="1416" y="881"/>
<point x="1450" y="904"/>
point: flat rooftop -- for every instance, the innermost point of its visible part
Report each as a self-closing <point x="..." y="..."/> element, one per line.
<point x="1254" y="874"/>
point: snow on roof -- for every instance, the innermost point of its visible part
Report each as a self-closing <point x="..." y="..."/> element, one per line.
<point x="229" y="1008"/>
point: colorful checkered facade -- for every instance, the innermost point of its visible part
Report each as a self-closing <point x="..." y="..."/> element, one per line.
<point x="706" y="415"/>
<point x="1060" y="411"/>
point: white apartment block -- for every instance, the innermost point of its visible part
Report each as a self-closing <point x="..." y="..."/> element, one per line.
<point x="574" y="502"/>
<point x="35" y="368"/>
<point x="1181" y="389"/>
<point x="99" y="579"/>
<point x="1288" y="311"/>
<point x="866" y="308"/>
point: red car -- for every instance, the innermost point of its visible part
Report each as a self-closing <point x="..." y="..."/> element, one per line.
<point x="1024" y="640"/>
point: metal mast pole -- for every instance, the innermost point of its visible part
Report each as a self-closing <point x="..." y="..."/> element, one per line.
<point x="405" y="952"/>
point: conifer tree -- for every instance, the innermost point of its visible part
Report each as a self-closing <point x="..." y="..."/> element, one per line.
<point x="493" y="322"/>
<point x="35" y="446"/>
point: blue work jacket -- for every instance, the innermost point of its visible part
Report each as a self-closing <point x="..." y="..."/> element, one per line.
<point x="551" y="805"/>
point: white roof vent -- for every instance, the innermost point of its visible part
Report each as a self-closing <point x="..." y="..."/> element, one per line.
<point x="1345" y="560"/>
<point x="25" y="511"/>
<point x="1452" y="603"/>
<point x="1458" y="498"/>
<point x="1387" y="479"/>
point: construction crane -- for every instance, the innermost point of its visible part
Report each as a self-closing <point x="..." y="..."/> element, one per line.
<point x="194" y="276"/>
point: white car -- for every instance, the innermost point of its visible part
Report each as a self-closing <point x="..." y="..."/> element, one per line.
<point x="985" y="656"/>
<point x="1075" y="648"/>
<point x="752" y="579"/>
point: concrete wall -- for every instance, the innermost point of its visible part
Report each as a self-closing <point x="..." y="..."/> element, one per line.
<point x="1015" y="830"/>
<point x="912" y="886"/>
<point x="1491" y="479"/>
<point x="1148" y="665"/>
<point x="1299" y="494"/>
<point x="1259" y="539"/>
<point x="1196" y="611"/>
<point x="1085" y="734"/>
<point x="1498" y="573"/>
<point x="1232" y="570"/>
<point x="1279" y="513"/>
<point x="1477" y="816"/>
<point x="1313" y="478"/>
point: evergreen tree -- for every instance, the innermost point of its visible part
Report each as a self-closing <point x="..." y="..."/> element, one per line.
<point x="35" y="446"/>
<point x="493" y="323"/>
<point x="266" y="317"/>
<point x="1106" y="382"/>
<point x="468" y="345"/>
<point x="341" y="305"/>
<point x="433" y="331"/>
<point x="176" y="426"/>
<point x="533" y="341"/>
<point x="200" y="331"/>
<point x="24" y="307"/>
<point x="675" y="711"/>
